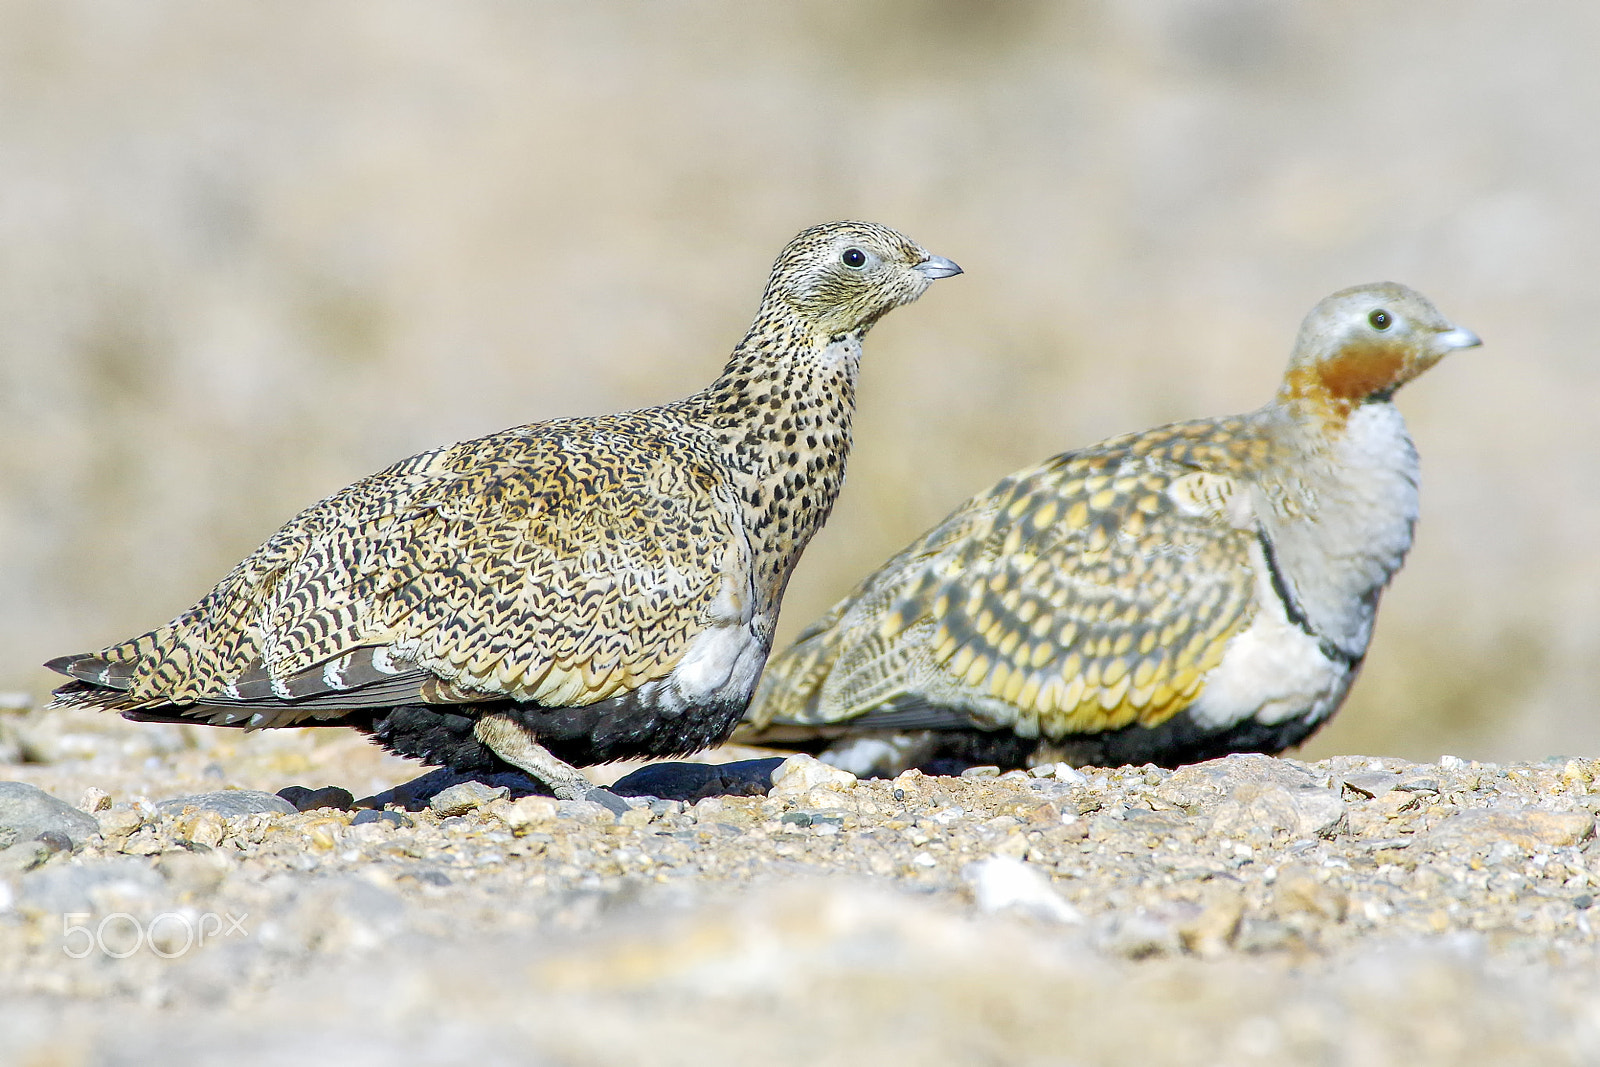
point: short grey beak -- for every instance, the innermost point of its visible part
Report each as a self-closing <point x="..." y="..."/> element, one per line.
<point x="1457" y="338"/>
<point x="938" y="267"/>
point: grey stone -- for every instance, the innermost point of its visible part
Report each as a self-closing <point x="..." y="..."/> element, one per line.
<point x="229" y="803"/>
<point x="611" y="802"/>
<point x="1200" y="783"/>
<point x="427" y="876"/>
<point x="1370" y="783"/>
<point x="1524" y="829"/>
<point x="55" y="841"/>
<point x="1260" y="807"/>
<point x="384" y="818"/>
<point x="586" y="811"/>
<point x="464" y="797"/>
<point x="26" y="811"/>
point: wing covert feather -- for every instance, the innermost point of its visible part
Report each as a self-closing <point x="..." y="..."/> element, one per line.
<point x="1092" y="592"/>
<point x="561" y="567"/>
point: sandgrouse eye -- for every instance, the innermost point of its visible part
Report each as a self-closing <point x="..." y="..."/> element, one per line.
<point x="854" y="257"/>
<point x="1380" y="319"/>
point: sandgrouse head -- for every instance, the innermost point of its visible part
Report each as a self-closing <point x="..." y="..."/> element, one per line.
<point x="1363" y="343"/>
<point x="841" y="277"/>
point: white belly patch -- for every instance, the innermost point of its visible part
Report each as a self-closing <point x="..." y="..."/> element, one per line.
<point x="1272" y="672"/>
<point x="723" y="663"/>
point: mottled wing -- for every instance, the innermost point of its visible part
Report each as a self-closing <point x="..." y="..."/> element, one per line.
<point x="1087" y="594"/>
<point x="847" y="643"/>
<point x="562" y="563"/>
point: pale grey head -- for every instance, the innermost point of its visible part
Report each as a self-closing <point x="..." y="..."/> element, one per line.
<point x="1364" y="342"/>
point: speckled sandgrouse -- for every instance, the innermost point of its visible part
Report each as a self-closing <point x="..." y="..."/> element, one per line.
<point x="1166" y="596"/>
<point x="568" y="592"/>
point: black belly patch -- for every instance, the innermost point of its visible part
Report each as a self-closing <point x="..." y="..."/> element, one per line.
<point x="434" y="735"/>
<point x="620" y="728"/>
<point x="1180" y="740"/>
<point x="1175" y="742"/>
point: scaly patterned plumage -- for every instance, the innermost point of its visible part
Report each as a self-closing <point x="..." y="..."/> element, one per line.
<point x="577" y="590"/>
<point x="1163" y="596"/>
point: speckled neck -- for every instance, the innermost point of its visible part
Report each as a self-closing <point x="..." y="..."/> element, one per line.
<point x="781" y="411"/>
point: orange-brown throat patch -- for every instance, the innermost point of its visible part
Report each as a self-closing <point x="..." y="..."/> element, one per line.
<point x="1357" y="373"/>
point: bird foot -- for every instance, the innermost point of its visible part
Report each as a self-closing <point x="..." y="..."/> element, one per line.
<point x="516" y="746"/>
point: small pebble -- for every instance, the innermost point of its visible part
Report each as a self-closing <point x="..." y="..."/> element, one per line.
<point x="525" y="812"/>
<point x="229" y="803"/>
<point x="587" y="811"/>
<point x="1004" y="882"/>
<point x="393" y="819"/>
<point x="1370" y="783"/>
<point x="801" y="774"/>
<point x="1070" y="775"/>
<point x="464" y="797"/>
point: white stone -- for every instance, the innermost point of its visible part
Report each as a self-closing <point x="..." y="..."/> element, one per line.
<point x="528" y="811"/>
<point x="801" y="774"/>
<point x="1002" y="882"/>
<point x="1071" y="775"/>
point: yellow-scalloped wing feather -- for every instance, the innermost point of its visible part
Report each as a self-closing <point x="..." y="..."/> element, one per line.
<point x="1087" y="594"/>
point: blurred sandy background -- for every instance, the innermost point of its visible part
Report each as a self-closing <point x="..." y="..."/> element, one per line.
<point x="249" y="253"/>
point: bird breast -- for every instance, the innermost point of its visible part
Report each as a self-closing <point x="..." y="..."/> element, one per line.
<point x="1350" y="515"/>
<point x="1338" y="526"/>
<point x="1273" y="670"/>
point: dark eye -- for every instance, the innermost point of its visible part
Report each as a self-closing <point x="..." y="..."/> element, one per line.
<point x="1380" y="319"/>
<point x="854" y="257"/>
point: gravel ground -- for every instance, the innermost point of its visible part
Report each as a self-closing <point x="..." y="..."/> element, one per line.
<point x="1248" y="910"/>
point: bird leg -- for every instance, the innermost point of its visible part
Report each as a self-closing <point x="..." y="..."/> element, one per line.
<point x="508" y="740"/>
